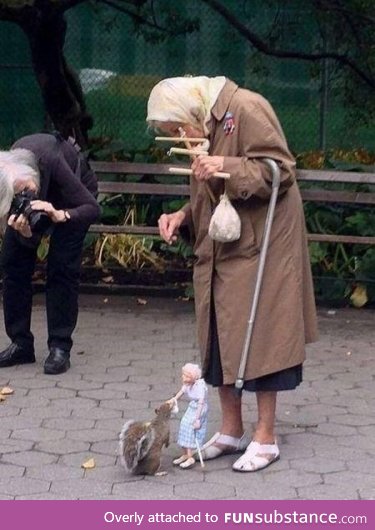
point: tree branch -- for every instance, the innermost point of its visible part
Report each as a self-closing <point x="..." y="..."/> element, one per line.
<point x="261" y="45"/>
<point x="338" y="7"/>
<point x="146" y="20"/>
<point x="135" y="16"/>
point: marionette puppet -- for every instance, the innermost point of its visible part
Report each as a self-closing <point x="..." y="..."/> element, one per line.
<point x="193" y="424"/>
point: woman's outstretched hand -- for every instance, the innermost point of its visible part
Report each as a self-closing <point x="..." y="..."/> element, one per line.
<point x="169" y="223"/>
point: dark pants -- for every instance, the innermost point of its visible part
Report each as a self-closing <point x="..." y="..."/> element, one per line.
<point x="63" y="268"/>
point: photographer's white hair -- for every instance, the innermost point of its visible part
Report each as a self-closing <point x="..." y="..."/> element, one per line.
<point x="15" y="165"/>
<point x="192" y="369"/>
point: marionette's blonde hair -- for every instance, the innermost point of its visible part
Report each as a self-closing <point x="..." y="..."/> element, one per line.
<point x="192" y="369"/>
<point x="17" y="164"/>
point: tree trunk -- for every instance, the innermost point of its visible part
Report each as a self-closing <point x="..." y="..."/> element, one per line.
<point x="60" y="86"/>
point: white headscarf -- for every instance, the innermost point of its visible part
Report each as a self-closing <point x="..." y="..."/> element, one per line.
<point x="184" y="100"/>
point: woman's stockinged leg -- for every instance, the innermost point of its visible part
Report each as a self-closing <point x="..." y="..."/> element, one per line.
<point x="263" y="450"/>
<point x="265" y="427"/>
<point x="230" y="438"/>
<point x="231" y="412"/>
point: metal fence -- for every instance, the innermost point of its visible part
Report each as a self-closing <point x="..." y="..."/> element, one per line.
<point x="118" y="66"/>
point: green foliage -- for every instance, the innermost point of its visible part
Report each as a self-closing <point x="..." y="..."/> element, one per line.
<point x="43" y="248"/>
<point x="341" y="271"/>
<point x="180" y="248"/>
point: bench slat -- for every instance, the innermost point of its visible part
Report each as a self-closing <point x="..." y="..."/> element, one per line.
<point x="135" y="168"/>
<point x="124" y="229"/>
<point x="130" y="168"/>
<point x="332" y="238"/>
<point x="335" y="176"/>
<point x="143" y="188"/>
<point x="350" y="197"/>
<point x="154" y="231"/>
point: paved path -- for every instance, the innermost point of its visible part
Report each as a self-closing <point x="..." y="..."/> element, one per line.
<point x="127" y="358"/>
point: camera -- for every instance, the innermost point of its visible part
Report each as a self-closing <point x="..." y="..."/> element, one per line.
<point x="38" y="220"/>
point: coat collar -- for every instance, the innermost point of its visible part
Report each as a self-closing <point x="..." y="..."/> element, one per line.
<point x="222" y="103"/>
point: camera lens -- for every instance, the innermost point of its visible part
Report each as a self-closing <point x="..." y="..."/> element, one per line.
<point x="39" y="221"/>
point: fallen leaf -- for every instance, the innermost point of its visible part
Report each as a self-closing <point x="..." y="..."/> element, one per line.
<point x="6" y="391"/>
<point x="2" y="398"/>
<point x="141" y="301"/>
<point x="108" y="279"/>
<point x="359" y="296"/>
<point x="80" y="352"/>
<point x="89" y="464"/>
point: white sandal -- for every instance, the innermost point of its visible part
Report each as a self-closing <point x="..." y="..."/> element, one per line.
<point x="178" y="461"/>
<point x="257" y="456"/>
<point x="189" y="462"/>
<point x="233" y="445"/>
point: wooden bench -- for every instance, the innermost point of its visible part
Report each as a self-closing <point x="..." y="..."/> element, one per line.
<point x="147" y="172"/>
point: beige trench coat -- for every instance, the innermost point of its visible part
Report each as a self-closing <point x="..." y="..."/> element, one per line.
<point x="224" y="273"/>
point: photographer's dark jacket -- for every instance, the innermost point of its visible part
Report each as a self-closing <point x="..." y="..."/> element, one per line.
<point x="66" y="179"/>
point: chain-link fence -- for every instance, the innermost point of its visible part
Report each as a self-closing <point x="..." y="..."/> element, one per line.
<point x="118" y="66"/>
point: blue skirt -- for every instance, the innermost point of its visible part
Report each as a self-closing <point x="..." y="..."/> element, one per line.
<point x="186" y="434"/>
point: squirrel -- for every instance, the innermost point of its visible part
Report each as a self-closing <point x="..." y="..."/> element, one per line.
<point x="141" y="442"/>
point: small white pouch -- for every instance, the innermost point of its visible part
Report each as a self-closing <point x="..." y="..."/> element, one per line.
<point x="225" y="224"/>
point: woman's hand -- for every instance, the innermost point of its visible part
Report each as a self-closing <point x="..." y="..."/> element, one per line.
<point x="56" y="216"/>
<point x="20" y="224"/>
<point x="169" y="225"/>
<point x="205" y="166"/>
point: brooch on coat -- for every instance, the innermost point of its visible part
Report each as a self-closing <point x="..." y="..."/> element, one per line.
<point x="229" y="124"/>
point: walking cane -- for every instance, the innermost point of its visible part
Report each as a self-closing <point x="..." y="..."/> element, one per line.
<point x="259" y="276"/>
<point x="199" y="450"/>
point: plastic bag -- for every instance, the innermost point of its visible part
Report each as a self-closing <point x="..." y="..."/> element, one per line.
<point x="225" y="224"/>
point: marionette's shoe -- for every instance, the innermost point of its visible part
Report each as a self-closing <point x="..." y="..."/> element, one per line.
<point x="57" y="362"/>
<point x="15" y="354"/>
<point x="189" y="462"/>
<point x="257" y="456"/>
<point x="178" y="461"/>
<point x="228" y="445"/>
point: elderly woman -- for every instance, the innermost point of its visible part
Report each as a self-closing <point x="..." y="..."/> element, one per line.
<point x="242" y="129"/>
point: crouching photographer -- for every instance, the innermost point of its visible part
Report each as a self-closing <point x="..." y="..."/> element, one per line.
<point x="46" y="187"/>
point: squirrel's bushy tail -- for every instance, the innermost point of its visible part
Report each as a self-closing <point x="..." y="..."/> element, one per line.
<point x="135" y="443"/>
